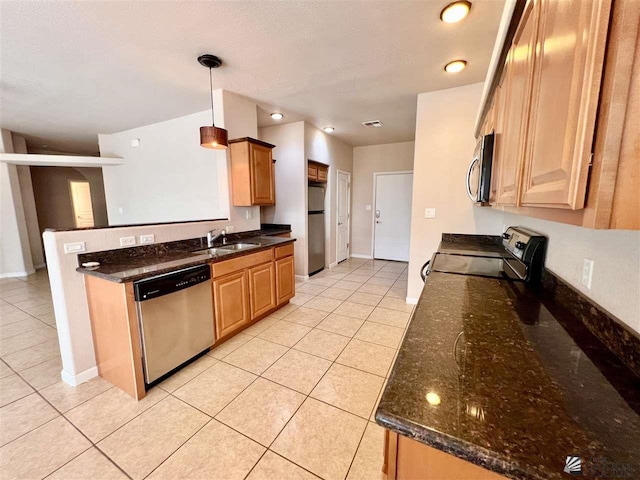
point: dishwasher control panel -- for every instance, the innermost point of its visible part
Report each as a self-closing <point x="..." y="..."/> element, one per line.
<point x="170" y="282"/>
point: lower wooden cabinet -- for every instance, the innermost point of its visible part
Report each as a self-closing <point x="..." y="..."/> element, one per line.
<point x="285" y="279"/>
<point x="262" y="292"/>
<point x="231" y="302"/>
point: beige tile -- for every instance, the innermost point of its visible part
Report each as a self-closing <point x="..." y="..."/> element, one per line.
<point x="261" y="411"/>
<point x="354" y="277"/>
<point x="284" y="311"/>
<point x="146" y="441"/>
<point x="367" y="464"/>
<point x="385" y="282"/>
<point x="34" y="355"/>
<point x="323" y="344"/>
<point x="349" y="389"/>
<point x="365" y="298"/>
<point x="37" y="310"/>
<point x="48" y="318"/>
<point x="323" y="303"/>
<point x="386" y="316"/>
<point x="22" y="326"/>
<point x="355" y="310"/>
<point x="105" y="413"/>
<point x="22" y="416"/>
<point x="12" y="315"/>
<point x="298" y="370"/>
<point x="90" y="465"/>
<point x="263" y="324"/>
<point x="64" y="397"/>
<point x="26" y="340"/>
<point x="374" y="289"/>
<point x="367" y="356"/>
<point x="323" y="281"/>
<point x="389" y="275"/>
<point x="256" y="355"/>
<point x="341" y="325"/>
<point x="347" y="285"/>
<point x="213" y="389"/>
<point x="380" y="334"/>
<point x="301" y="298"/>
<point x="232" y="344"/>
<point x="285" y="333"/>
<point x="394" y="267"/>
<point x="336" y="293"/>
<point x="187" y="373"/>
<point x="42" y="375"/>
<point x="401" y="284"/>
<point x="13" y="388"/>
<point x="33" y="302"/>
<point x="5" y="371"/>
<point x="273" y="467"/>
<point x="397" y="292"/>
<point x="310" y="289"/>
<point x="321" y="438"/>
<point x="396" y="304"/>
<point x="215" y="452"/>
<point x="41" y="451"/>
<point x="309" y="317"/>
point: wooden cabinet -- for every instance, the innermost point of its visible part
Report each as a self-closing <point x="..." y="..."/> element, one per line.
<point x="285" y="279"/>
<point x="570" y="50"/>
<point x="262" y="289"/>
<point x="231" y="302"/>
<point x="252" y="172"/>
<point x="317" y="172"/>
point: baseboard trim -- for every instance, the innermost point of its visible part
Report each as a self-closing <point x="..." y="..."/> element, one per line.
<point x="40" y="266"/>
<point x="17" y="274"/>
<point x="411" y="300"/>
<point x="304" y="278"/>
<point x="357" y="255"/>
<point x="334" y="264"/>
<point x="75" y="380"/>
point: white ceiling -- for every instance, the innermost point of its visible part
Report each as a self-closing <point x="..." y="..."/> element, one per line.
<point x="73" y="69"/>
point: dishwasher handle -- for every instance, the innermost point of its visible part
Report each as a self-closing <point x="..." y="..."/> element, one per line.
<point x="171" y="282"/>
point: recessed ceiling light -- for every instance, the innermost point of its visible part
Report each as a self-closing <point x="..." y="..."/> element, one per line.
<point x="277" y="116"/>
<point x="455" y="66"/>
<point x="328" y="129"/>
<point x="454" y="12"/>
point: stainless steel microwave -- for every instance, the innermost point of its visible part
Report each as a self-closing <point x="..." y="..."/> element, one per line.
<point x="479" y="171"/>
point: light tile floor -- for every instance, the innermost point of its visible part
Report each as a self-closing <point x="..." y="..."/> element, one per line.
<point x="292" y="397"/>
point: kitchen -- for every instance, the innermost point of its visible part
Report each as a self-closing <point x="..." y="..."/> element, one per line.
<point x="518" y="361"/>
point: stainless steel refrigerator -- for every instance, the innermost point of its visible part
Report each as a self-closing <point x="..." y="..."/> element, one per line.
<point x="316" y="229"/>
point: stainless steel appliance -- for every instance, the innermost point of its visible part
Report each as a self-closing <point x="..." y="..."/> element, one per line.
<point x="522" y="258"/>
<point x="175" y="312"/>
<point x="479" y="171"/>
<point x="316" y="229"/>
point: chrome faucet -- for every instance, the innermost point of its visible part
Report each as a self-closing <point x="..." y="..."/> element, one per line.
<point x="212" y="237"/>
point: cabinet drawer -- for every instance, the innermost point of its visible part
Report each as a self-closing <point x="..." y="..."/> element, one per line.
<point x="246" y="261"/>
<point x="284" y="251"/>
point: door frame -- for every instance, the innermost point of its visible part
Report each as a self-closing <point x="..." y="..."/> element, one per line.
<point x="373" y="204"/>
<point x="71" y="181"/>
<point x="348" y="174"/>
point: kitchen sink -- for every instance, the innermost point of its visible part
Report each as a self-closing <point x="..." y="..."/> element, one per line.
<point x="239" y="246"/>
<point x="212" y="251"/>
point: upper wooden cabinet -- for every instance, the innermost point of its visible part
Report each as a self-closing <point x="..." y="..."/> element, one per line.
<point x="317" y="172"/>
<point x="252" y="172"/>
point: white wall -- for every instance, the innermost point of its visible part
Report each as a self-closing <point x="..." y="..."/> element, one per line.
<point x="291" y="186"/>
<point x="390" y="157"/>
<point x="443" y="148"/>
<point x="324" y="148"/>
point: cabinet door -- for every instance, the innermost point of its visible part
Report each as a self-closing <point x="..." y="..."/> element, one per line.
<point x="312" y="172"/>
<point x="569" y="62"/>
<point x="231" y="301"/>
<point x="285" y="279"/>
<point x="262" y="178"/>
<point x="517" y="96"/>
<point x="498" y="114"/>
<point x="323" y="173"/>
<point x="262" y="289"/>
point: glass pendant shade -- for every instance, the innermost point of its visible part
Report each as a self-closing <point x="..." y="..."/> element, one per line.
<point x="214" y="137"/>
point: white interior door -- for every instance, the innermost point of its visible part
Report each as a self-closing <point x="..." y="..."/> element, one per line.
<point x="392" y="216"/>
<point x="81" y="201"/>
<point x="342" y="242"/>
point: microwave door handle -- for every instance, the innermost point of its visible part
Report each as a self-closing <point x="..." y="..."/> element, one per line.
<point x="468" y="183"/>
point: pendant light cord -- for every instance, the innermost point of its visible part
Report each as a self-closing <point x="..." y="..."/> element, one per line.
<point x="213" y="122"/>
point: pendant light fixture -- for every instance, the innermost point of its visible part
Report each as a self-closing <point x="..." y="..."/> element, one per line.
<point x="212" y="137"/>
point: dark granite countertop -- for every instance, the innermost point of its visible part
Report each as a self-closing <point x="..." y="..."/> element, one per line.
<point x="123" y="268"/>
<point x="521" y="382"/>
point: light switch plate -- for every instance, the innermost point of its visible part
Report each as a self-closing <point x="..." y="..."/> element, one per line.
<point x="147" y="239"/>
<point x="76" y="247"/>
<point x="127" y="241"/>
<point x="229" y="229"/>
<point x="368" y="208"/>
<point x="429" y="213"/>
<point x="587" y="273"/>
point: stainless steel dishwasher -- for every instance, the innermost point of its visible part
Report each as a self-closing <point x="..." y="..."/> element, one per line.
<point x="175" y="312"/>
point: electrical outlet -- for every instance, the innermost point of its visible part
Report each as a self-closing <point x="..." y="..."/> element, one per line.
<point x="429" y="213"/>
<point x="249" y="214"/>
<point x="147" y="239"/>
<point x="367" y="208"/>
<point x="587" y="273"/>
<point x="229" y="229"/>
<point x="77" y="247"/>
<point x="120" y="210"/>
<point x="127" y="241"/>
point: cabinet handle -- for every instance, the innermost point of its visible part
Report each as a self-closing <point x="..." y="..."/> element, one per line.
<point x="469" y="170"/>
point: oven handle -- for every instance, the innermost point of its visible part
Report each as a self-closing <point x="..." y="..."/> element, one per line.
<point x="475" y="160"/>
<point x="423" y="273"/>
